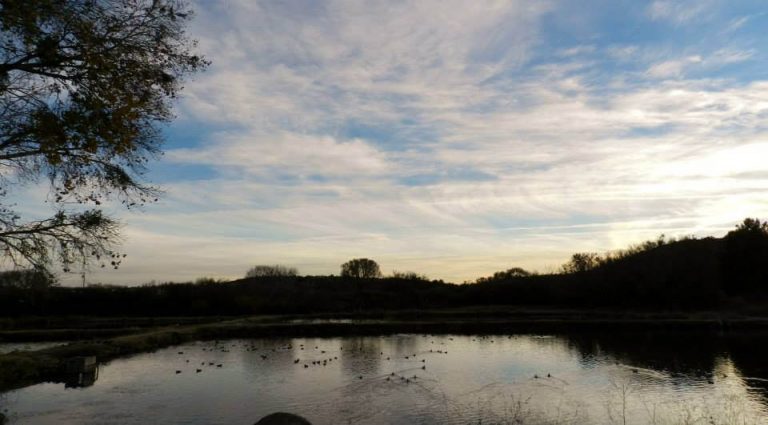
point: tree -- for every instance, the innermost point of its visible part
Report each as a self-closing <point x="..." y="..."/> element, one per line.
<point x="84" y="85"/>
<point x="745" y="257"/>
<point x="409" y="276"/>
<point x="271" y="271"/>
<point x="361" y="268"/>
<point x="29" y="279"/>
<point x="509" y="274"/>
<point x="751" y="226"/>
<point x="581" y="262"/>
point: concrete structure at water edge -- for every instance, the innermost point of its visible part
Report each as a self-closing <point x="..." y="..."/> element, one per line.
<point x="81" y="371"/>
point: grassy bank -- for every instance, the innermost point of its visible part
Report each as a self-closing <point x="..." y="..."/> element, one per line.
<point x="20" y="369"/>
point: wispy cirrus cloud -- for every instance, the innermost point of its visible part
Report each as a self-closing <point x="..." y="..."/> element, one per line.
<point x="679" y="11"/>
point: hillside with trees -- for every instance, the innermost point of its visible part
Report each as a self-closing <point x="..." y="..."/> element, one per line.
<point x="663" y="274"/>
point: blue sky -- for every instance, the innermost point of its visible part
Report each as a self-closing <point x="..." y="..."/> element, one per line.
<point x="454" y="138"/>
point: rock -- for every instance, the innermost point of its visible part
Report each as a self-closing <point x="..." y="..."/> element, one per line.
<point x="281" y="418"/>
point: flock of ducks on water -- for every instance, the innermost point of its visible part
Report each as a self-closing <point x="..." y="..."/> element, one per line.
<point x="322" y="362"/>
<point x="223" y="348"/>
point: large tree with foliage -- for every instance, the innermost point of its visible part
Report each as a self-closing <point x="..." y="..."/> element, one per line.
<point x="84" y="85"/>
<point x="363" y="268"/>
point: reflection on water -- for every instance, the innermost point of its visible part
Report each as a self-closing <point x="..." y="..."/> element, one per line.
<point x="635" y="378"/>
<point x="81" y="372"/>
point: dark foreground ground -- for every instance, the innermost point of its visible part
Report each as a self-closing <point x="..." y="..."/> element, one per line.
<point x="107" y="339"/>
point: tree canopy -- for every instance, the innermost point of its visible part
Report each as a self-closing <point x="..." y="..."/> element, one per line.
<point x="362" y="268"/>
<point x="509" y="274"/>
<point x="84" y="86"/>
<point x="275" y="270"/>
<point x="581" y="262"/>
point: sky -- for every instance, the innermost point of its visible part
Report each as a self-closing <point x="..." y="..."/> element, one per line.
<point x="454" y="138"/>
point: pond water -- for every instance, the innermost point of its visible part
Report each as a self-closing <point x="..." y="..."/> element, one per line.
<point x="628" y="378"/>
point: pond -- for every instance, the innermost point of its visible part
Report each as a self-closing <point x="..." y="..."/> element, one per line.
<point x="621" y="378"/>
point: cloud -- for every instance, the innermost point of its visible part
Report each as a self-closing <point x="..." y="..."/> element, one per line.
<point x="291" y="154"/>
<point x="735" y="24"/>
<point x="673" y="68"/>
<point x="576" y="51"/>
<point x="729" y="56"/>
<point x="678" y="11"/>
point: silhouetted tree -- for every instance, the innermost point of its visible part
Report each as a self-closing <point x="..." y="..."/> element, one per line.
<point x="745" y="258"/>
<point x="751" y="226"/>
<point x="271" y="271"/>
<point x="581" y="262"/>
<point x="360" y="268"/>
<point x="509" y="274"/>
<point x="83" y="85"/>
<point x="27" y="279"/>
<point x="408" y="275"/>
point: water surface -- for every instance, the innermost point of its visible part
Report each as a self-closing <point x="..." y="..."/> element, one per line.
<point x="422" y="379"/>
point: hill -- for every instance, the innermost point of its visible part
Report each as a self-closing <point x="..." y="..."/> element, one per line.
<point x="687" y="274"/>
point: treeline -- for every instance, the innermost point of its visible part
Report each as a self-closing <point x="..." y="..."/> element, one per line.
<point x="688" y="273"/>
<point x="260" y="295"/>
